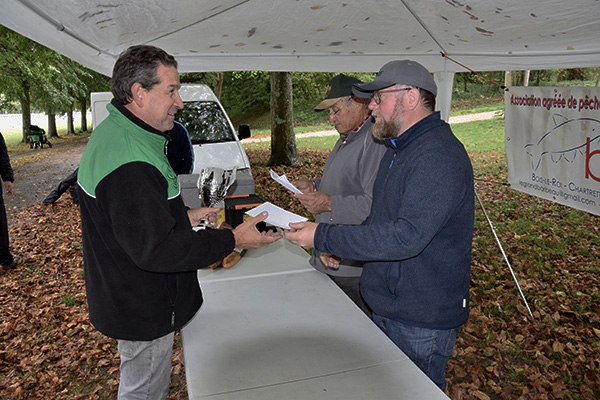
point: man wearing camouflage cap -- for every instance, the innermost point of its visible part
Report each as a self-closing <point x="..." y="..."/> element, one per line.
<point x="343" y="194"/>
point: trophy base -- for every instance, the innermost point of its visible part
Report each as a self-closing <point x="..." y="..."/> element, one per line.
<point x="204" y="224"/>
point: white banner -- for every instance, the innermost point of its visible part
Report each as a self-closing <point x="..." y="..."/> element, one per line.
<point x="552" y="143"/>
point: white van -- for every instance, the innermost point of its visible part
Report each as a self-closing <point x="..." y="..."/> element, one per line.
<point x="213" y="137"/>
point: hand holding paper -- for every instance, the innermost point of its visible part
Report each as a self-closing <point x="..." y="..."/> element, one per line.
<point x="248" y="237"/>
<point x="305" y="186"/>
<point x="302" y="234"/>
<point x="315" y="202"/>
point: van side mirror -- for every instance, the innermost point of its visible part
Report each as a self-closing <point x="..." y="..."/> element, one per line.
<point x="244" y="131"/>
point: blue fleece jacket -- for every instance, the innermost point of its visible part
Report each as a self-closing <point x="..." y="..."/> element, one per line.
<point x="417" y="239"/>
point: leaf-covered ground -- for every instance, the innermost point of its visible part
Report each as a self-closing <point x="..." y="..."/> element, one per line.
<point x="49" y="350"/>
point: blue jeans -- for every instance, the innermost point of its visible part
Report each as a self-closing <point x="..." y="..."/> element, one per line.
<point x="145" y="368"/>
<point x="429" y="349"/>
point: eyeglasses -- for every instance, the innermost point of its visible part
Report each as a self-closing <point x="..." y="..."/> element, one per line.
<point x="334" y="113"/>
<point x="377" y="95"/>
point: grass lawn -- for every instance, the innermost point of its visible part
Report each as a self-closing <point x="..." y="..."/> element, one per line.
<point x="15" y="146"/>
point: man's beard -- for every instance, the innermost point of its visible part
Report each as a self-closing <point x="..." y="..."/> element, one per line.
<point x="389" y="129"/>
<point x="385" y="129"/>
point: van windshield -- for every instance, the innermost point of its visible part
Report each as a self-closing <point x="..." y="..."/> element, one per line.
<point x="205" y="122"/>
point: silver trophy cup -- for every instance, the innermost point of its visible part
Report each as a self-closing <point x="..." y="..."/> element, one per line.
<point x="213" y="184"/>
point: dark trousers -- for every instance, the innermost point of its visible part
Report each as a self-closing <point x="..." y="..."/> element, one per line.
<point x="5" y="257"/>
<point x="351" y="286"/>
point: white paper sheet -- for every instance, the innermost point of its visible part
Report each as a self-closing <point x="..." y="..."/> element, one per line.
<point x="277" y="215"/>
<point x="283" y="180"/>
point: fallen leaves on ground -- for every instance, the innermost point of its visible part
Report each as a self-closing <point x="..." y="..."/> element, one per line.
<point x="48" y="348"/>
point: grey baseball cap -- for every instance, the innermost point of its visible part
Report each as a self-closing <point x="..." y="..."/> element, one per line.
<point x="397" y="72"/>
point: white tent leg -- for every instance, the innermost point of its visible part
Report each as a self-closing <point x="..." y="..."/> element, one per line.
<point x="445" y="82"/>
<point x="504" y="254"/>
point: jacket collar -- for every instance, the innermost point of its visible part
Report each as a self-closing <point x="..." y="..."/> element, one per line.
<point x="414" y="131"/>
<point x="119" y="106"/>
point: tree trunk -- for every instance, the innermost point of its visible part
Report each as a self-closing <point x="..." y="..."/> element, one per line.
<point x="509" y="78"/>
<point x="51" y="123"/>
<point x="25" y="101"/>
<point x="283" y="140"/>
<point x="219" y="88"/>
<point x="525" y="81"/>
<point x="83" y="110"/>
<point x="70" y="126"/>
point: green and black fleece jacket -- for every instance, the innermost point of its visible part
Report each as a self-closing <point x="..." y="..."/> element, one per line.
<point x="140" y="252"/>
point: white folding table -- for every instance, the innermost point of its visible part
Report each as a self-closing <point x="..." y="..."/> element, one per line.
<point x="273" y="328"/>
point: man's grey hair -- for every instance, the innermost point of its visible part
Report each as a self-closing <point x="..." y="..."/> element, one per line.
<point x="138" y="64"/>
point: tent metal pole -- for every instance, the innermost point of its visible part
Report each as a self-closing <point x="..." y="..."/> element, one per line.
<point x="59" y="25"/>
<point x="504" y="254"/>
<point x="423" y="25"/>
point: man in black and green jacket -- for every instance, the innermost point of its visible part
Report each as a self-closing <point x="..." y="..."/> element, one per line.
<point x="140" y="252"/>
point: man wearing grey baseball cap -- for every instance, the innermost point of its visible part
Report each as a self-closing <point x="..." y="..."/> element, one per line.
<point x="416" y="242"/>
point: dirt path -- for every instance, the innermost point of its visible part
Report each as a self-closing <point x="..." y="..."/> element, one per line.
<point x="35" y="180"/>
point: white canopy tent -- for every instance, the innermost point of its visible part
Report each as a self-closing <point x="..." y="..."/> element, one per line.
<point x="320" y="35"/>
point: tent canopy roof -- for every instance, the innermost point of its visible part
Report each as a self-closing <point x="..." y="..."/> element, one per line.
<point x="301" y="35"/>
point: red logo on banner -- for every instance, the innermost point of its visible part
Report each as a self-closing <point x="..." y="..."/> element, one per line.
<point x="588" y="156"/>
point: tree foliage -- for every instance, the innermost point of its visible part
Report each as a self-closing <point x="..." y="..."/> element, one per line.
<point x="20" y="65"/>
<point x="41" y="79"/>
<point x="248" y="92"/>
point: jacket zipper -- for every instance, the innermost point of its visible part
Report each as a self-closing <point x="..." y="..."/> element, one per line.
<point x="173" y="301"/>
